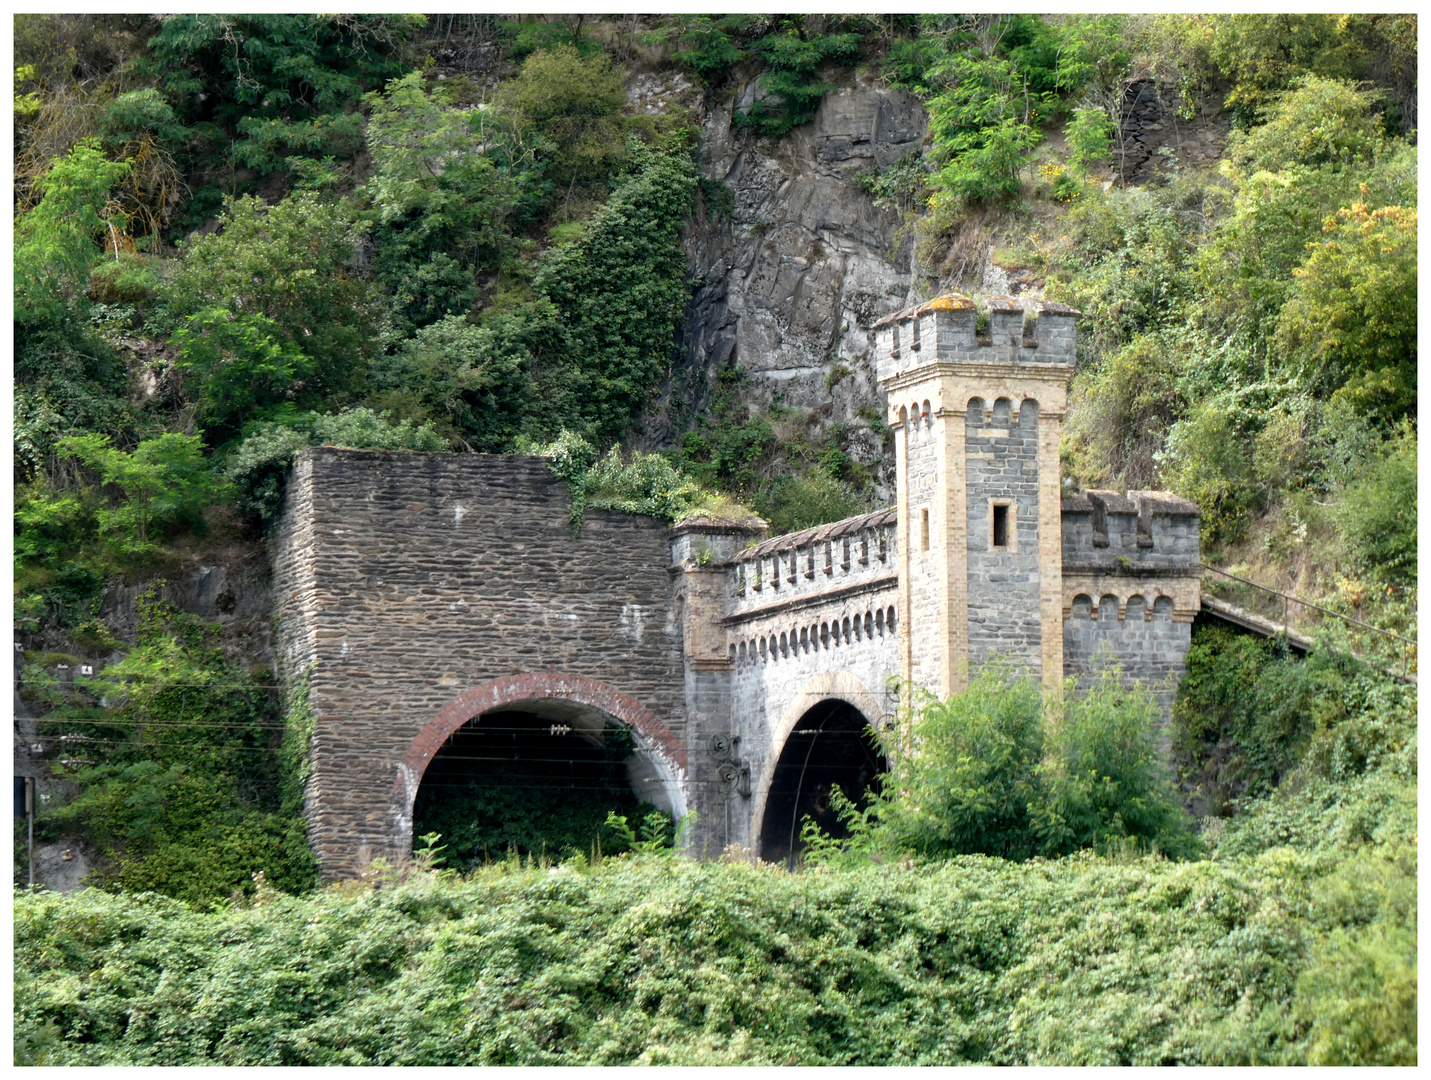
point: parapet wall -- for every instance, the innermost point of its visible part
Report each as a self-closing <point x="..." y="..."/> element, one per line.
<point x="814" y="561"/>
<point x="1142" y="528"/>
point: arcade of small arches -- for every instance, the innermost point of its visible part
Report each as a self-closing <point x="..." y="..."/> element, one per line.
<point x="1001" y="415"/>
<point x="825" y="635"/>
<point x="1132" y="608"/>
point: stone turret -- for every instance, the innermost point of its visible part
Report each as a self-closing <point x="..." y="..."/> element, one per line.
<point x="977" y="419"/>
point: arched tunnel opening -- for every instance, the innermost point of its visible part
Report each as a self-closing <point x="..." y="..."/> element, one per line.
<point x="540" y="783"/>
<point x="830" y="745"/>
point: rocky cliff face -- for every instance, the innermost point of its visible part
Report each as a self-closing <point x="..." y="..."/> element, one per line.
<point x="789" y="281"/>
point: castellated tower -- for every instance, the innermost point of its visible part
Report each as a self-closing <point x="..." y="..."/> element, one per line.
<point x="977" y="419"/>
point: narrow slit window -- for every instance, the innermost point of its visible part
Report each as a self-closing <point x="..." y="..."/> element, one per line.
<point x="1001" y="526"/>
<point x="924" y="530"/>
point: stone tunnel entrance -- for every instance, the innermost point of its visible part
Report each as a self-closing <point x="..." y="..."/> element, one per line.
<point x="830" y="745"/>
<point x="540" y="780"/>
<point x="535" y="762"/>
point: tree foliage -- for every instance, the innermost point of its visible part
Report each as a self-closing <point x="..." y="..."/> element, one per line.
<point x="162" y="483"/>
<point x="271" y="308"/>
<point x="1351" y="321"/>
<point x="573" y="103"/>
<point x="274" y="85"/>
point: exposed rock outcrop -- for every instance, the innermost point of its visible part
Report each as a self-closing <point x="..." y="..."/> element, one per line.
<point x="788" y="282"/>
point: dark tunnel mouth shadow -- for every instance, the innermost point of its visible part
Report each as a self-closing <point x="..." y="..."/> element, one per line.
<point x="543" y="785"/>
<point x="830" y="744"/>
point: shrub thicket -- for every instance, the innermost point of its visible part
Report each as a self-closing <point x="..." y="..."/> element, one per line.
<point x="177" y="786"/>
<point x="1283" y="958"/>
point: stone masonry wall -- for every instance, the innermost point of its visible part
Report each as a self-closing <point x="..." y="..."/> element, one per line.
<point x="1135" y="633"/>
<point x="407" y="579"/>
<point x="1132" y="580"/>
<point x="1001" y="450"/>
<point x="922" y="436"/>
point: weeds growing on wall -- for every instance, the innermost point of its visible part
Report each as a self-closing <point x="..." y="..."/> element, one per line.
<point x="646" y="484"/>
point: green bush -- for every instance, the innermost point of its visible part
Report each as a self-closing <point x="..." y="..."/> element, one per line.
<point x="442" y="208"/>
<point x="572" y="104"/>
<point x="1322" y="121"/>
<point x="810" y="498"/>
<point x="1265" y="715"/>
<point x="470" y="382"/>
<point x="646" y="484"/>
<point x="1124" y="408"/>
<point x="274" y="296"/>
<point x="1351" y="320"/>
<point x="1377" y="512"/>
<point x="1208" y="461"/>
<point x="986" y="772"/>
<point x="794" y="89"/>
<point x="165" y="483"/>
<point x="663" y="961"/>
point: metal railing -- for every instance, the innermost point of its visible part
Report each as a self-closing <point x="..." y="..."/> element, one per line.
<point x="1288" y="599"/>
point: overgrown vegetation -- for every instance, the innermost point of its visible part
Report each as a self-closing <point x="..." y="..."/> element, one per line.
<point x="996" y="770"/>
<point x="171" y="758"/>
<point x="1252" y="718"/>
<point x="1289" y="956"/>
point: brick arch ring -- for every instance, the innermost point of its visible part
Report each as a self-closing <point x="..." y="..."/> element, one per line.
<point x="668" y="754"/>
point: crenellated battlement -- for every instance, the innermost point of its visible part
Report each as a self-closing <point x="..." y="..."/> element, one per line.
<point x="1140" y="532"/>
<point x="812" y="562"/>
<point x="1020" y="331"/>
